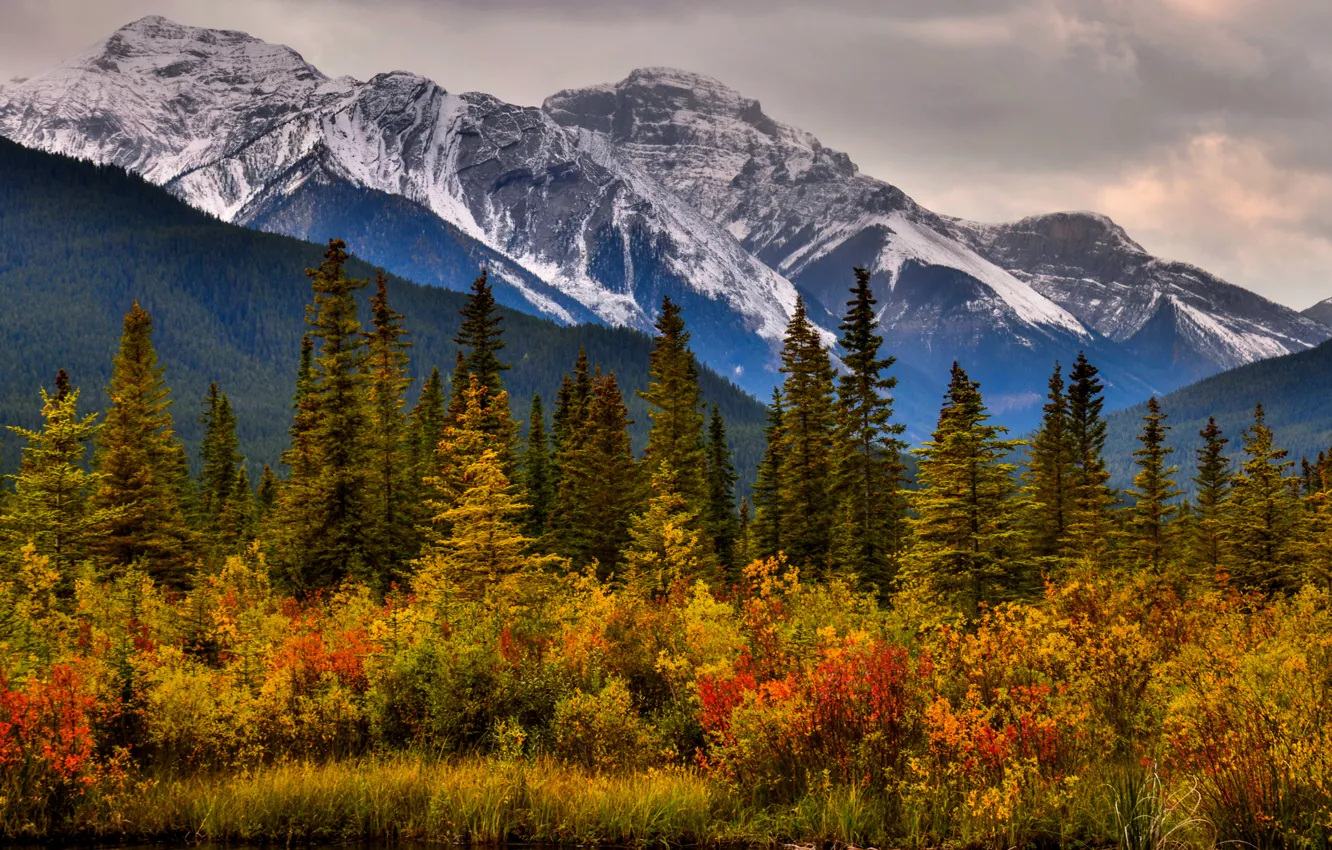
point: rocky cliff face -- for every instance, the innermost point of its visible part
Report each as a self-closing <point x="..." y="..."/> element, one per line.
<point x="1321" y="312"/>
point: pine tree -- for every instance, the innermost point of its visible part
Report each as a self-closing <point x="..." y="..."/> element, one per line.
<point x="480" y="333"/>
<point x="766" y="535"/>
<point x="571" y="405"/>
<point x="599" y="488"/>
<point x="966" y="530"/>
<point x="1261" y="554"/>
<point x="536" y="472"/>
<point x="1049" y="478"/>
<point x="390" y="521"/>
<point x="721" y="522"/>
<point x="328" y="529"/>
<point x="458" y="386"/>
<point x="462" y="444"/>
<point x="1154" y="492"/>
<point x="50" y="506"/>
<point x="425" y="428"/>
<point x="141" y="463"/>
<point x="220" y="456"/>
<point x="805" y="484"/>
<point x="237" y="522"/>
<point x="1210" y="520"/>
<point x="1088" y="525"/>
<point x="868" y="479"/>
<point x="675" y="440"/>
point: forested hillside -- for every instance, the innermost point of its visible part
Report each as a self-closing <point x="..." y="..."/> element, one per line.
<point x="1295" y="391"/>
<point x="81" y="242"/>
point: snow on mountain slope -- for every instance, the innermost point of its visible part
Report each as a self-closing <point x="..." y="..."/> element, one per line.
<point x="250" y="132"/>
<point x="1089" y="265"/>
<point x="808" y="212"/>
<point x="790" y="201"/>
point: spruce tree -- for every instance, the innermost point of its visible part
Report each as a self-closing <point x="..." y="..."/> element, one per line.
<point x="1154" y="492"/>
<point x="599" y="488"/>
<point x="675" y="439"/>
<point x="965" y="526"/>
<point x="1088" y="525"/>
<point x="1262" y="554"/>
<point x="766" y="535"/>
<point x="458" y="386"/>
<point x="721" y="520"/>
<point x="1315" y="542"/>
<point x="266" y="495"/>
<point x="220" y="456"/>
<point x="328" y="542"/>
<point x="50" y="506"/>
<point x="536" y="472"/>
<point x="425" y="428"/>
<point x="868" y="475"/>
<point x="390" y="520"/>
<point x="805" y="489"/>
<point x="1049" y="478"/>
<point x="141" y="463"/>
<point x="744" y="540"/>
<point x="480" y="334"/>
<point x="1210" y="519"/>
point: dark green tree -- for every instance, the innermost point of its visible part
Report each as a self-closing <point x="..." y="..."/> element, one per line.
<point x="868" y="474"/>
<point x="1049" y="479"/>
<point x="1262" y="554"/>
<point x="675" y="409"/>
<point x="720" y="521"/>
<point x="967" y="537"/>
<point x="536" y="481"/>
<point x="1088" y="527"/>
<point x="389" y="525"/>
<point x="480" y="334"/>
<point x="1154" y="493"/>
<point x="141" y="463"/>
<point x="220" y="456"/>
<point x="766" y="535"/>
<point x="809" y="424"/>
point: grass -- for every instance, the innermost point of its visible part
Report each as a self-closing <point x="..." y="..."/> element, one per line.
<point x="489" y="801"/>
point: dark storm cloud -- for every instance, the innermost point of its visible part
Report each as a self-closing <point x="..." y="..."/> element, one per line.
<point x="1201" y="124"/>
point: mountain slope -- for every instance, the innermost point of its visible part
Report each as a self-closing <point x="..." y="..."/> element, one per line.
<point x="82" y="242"/>
<point x="989" y="294"/>
<point x="1179" y="314"/>
<point x="1321" y="312"/>
<point x="253" y="134"/>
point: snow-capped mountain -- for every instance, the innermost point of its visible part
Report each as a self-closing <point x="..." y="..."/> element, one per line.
<point x="1156" y="308"/>
<point x="595" y="205"/>
<point x="253" y="134"/>
<point x="1321" y="312"/>
<point x="946" y="285"/>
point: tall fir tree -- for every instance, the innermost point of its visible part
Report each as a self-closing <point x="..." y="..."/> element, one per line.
<point x="536" y="472"/>
<point x="390" y="520"/>
<point x="721" y="521"/>
<point x="1209" y="522"/>
<point x="1154" y="492"/>
<point x="869" y="471"/>
<point x="50" y="506"/>
<point x="805" y="489"/>
<point x="481" y="335"/>
<point x="599" y="489"/>
<point x="1315" y="540"/>
<point x="220" y="457"/>
<point x="766" y="535"/>
<point x="1049" y="478"/>
<point x="966" y="533"/>
<point x="571" y="406"/>
<point x="1088" y="528"/>
<point x="744" y="540"/>
<point x="141" y="463"/>
<point x="328" y="540"/>
<point x="425" y="428"/>
<point x="1261" y="550"/>
<point x="675" y="439"/>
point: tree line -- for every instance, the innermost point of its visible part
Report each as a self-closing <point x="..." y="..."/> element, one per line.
<point x="376" y="491"/>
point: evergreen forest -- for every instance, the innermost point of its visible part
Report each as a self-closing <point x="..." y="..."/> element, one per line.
<point x="443" y="612"/>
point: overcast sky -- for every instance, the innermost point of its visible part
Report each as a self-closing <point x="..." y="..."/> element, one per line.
<point x="1202" y="126"/>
